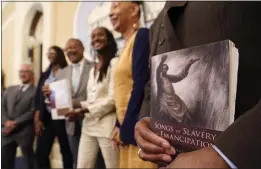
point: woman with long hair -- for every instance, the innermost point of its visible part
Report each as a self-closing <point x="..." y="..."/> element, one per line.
<point x="130" y="76"/>
<point x="99" y="108"/>
<point x="45" y="128"/>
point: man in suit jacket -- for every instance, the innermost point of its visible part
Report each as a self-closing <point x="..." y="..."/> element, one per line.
<point x="17" y="120"/>
<point x="77" y="74"/>
<point x="186" y="24"/>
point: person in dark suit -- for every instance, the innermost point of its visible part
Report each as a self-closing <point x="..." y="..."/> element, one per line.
<point x="17" y="120"/>
<point x="45" y="128"/>
<point x="186" y="24"/>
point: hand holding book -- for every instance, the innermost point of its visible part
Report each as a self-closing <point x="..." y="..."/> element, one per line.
<point x="153" y="147"/>
<point x="186" y="88"/>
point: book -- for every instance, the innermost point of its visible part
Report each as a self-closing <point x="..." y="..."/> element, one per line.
<point x="193" y="94"/>
<point x="60" y="99"/>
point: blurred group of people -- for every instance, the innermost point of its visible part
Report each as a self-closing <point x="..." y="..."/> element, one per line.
<point x="111" y="96"/>
<point x="94" y="132"/>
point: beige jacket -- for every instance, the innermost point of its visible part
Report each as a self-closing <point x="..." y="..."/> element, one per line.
<point x="101" y="119"/>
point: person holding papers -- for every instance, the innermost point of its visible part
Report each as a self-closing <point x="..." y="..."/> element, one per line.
<point x="77" y="75"/>
<point x="99" y="108"/>
<point x="45" y="128"/>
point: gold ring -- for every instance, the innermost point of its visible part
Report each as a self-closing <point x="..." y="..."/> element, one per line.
<point x="139" y="152"/>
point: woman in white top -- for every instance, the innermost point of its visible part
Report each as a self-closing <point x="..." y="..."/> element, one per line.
<point x="99" y="108"/>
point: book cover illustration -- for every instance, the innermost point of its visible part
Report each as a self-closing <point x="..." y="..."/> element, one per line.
<point x="193" y="94"/>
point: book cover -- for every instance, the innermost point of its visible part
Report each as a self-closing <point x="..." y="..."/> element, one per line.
<point x="193" y="94"/>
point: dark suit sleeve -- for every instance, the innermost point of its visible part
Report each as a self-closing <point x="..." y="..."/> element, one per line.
<point x="140" y="57"/>
<point x="241" y="142"/>
<point x="28" y="115"/>
<point x="4" y="107"/>
<point x="145" y="108"/>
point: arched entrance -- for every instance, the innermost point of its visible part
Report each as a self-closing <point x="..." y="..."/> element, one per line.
<point x="33" y="39"/>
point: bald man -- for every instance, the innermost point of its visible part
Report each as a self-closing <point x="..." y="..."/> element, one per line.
<point x="77" y="73"/>
<point x="17" y="120"/>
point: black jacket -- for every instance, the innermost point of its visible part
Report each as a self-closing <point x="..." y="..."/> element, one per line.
<point x="40" y="105"/>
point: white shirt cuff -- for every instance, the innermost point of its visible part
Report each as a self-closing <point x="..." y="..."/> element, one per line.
<point x="229" y="162"/>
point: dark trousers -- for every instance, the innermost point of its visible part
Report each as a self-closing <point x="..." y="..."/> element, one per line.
<point x="9" y="154"/>
<point x="74" y="145"/>
<point x="55" y="128"/>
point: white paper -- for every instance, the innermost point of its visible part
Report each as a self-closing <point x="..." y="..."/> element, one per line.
<point x="61" y="95"/>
